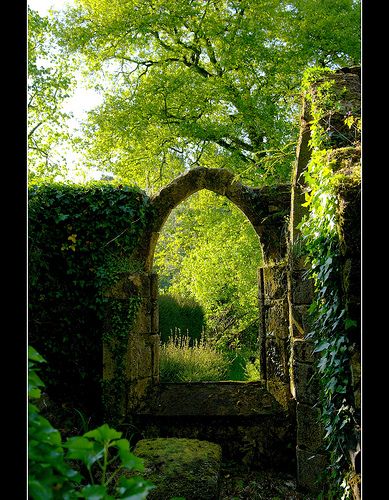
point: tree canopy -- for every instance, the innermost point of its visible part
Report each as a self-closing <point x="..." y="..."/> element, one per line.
<point x="214" y="83"/>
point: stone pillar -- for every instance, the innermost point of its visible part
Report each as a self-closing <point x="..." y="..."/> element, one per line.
<point x="311" y="456"/>
<point x="274" y="331"/>
<point x="130" y="344"/>
<point x="303" y="382"/>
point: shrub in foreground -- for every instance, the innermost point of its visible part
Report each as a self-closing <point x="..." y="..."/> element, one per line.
<point x="101" y="453"/>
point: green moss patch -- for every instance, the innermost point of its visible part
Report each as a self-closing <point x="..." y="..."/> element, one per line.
<point x="187" y="468"/>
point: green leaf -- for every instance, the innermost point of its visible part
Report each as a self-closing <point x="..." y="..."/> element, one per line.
<point x="34" y="355"/>
<point x="350" y="323"/>
<point x="321" y="347"/>
<point x="95" y="492"/>
<point x="103" y="434"/>
<point x="83" y="449"/>
<point x="135" y="488"/>
<point x="39" y="490"/>
<point x="128" y="459"/>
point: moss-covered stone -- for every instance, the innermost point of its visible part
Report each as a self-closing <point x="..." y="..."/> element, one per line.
<point x="186" y="468"/>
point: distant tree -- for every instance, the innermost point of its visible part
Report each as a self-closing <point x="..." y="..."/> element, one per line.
<point x="210" y="253"/>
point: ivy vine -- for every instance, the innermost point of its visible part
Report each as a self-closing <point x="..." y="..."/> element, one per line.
<point x="333" y="126"/>
<point x="81" y="238"/>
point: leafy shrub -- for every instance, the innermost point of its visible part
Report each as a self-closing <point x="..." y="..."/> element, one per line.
<point x="182" y="363"/>
<point x="101" y="451"/>
<point x="80" y="240"/>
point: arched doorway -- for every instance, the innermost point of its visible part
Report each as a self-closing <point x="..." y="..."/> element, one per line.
<point x="267" y="208"/>
<point x="207" y="259"/>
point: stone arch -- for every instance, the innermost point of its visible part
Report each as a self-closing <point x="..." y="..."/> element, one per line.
<point x="265" y="207"/>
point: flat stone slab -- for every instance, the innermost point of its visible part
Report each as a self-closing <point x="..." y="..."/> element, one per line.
<point x="210" y="399"/>
<point x="185" y="468"/>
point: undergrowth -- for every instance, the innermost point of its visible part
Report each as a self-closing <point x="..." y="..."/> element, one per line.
<point x="184" y="359"/>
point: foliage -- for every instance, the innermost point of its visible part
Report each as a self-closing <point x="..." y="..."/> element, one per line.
<point x="50" y="474"/>
<point x="177" y="313"/>
<point x="332" y="324"/>
<point x="182" y="362"/>
<point x="186" y="360"/>
<point x="50" y="82"/>
<point x="72" y="264"/>
<point x="202" y="83"/>
<point x="209" y="252"/>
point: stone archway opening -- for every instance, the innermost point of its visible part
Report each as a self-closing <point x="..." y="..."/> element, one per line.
<point x="232" y="413"/>
<point x="267" y="209"/>
<point x="208" y="301"/>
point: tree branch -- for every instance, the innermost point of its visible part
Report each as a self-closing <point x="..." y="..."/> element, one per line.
<point x="34" y="129"/>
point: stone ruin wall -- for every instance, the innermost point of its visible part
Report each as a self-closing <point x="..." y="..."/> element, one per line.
<point x="285" y="294"/>
<point x="310" y="449"/>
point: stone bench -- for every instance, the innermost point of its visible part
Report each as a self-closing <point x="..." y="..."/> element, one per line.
<point x="185" y="468"/>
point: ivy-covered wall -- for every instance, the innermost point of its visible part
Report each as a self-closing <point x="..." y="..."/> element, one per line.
<point x="324" y="281"/>
<point x="81" y="238"/>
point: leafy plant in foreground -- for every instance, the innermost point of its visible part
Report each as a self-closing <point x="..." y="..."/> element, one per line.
<point x="102" y="451"/>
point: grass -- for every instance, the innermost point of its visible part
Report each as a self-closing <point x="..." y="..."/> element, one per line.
<point x="185" y="360"/>
<point x="181" y="362"/>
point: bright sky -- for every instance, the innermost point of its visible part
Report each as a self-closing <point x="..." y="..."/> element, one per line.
<point x="43" y="6"/>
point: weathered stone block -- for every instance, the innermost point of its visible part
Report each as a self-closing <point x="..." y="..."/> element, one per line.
<point x="154" y="286"/>
<point x="275" y="282"/>
<point x="303" y="351"/>
<point x="277" y="359"/>
<point x="310" y="467"/>
<point x="187" y="468"/>
<point x="280" y="391"/>
<point x="300" y="320"/>
<point x="356" y="378"/>
<point x="306" y="383"/>
<point x="133" y="357"/>
<point x="142" y="323"/>
<point x="153" y="343"/>
<point x="302" y="288"/>
<point x="145" y="367"/>
<point x="142" y="283"/>
<point x="154" y="317"/>
<point x="277" y="319"/>
<point x="136" y="392"/>
<point x="309" y="428"/>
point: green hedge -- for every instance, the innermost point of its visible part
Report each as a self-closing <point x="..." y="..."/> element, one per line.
<point x="178" y="314"/>
<point x="80" y="240"/>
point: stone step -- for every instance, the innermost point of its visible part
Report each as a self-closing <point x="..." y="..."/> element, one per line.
<point x="243" y="418"/>
<point x="185" y="468"/>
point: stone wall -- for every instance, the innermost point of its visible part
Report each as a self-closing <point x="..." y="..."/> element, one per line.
<point x="128" y="373"/>
<point x="310" y="450"/>
<point x="127" y="378"/>
<point x="274" y="331"/>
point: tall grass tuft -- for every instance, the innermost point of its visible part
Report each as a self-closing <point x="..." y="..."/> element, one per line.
<point x="183" y="360"/>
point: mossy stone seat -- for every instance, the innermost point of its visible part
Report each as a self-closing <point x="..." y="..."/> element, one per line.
<point x="186" y="468"/>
